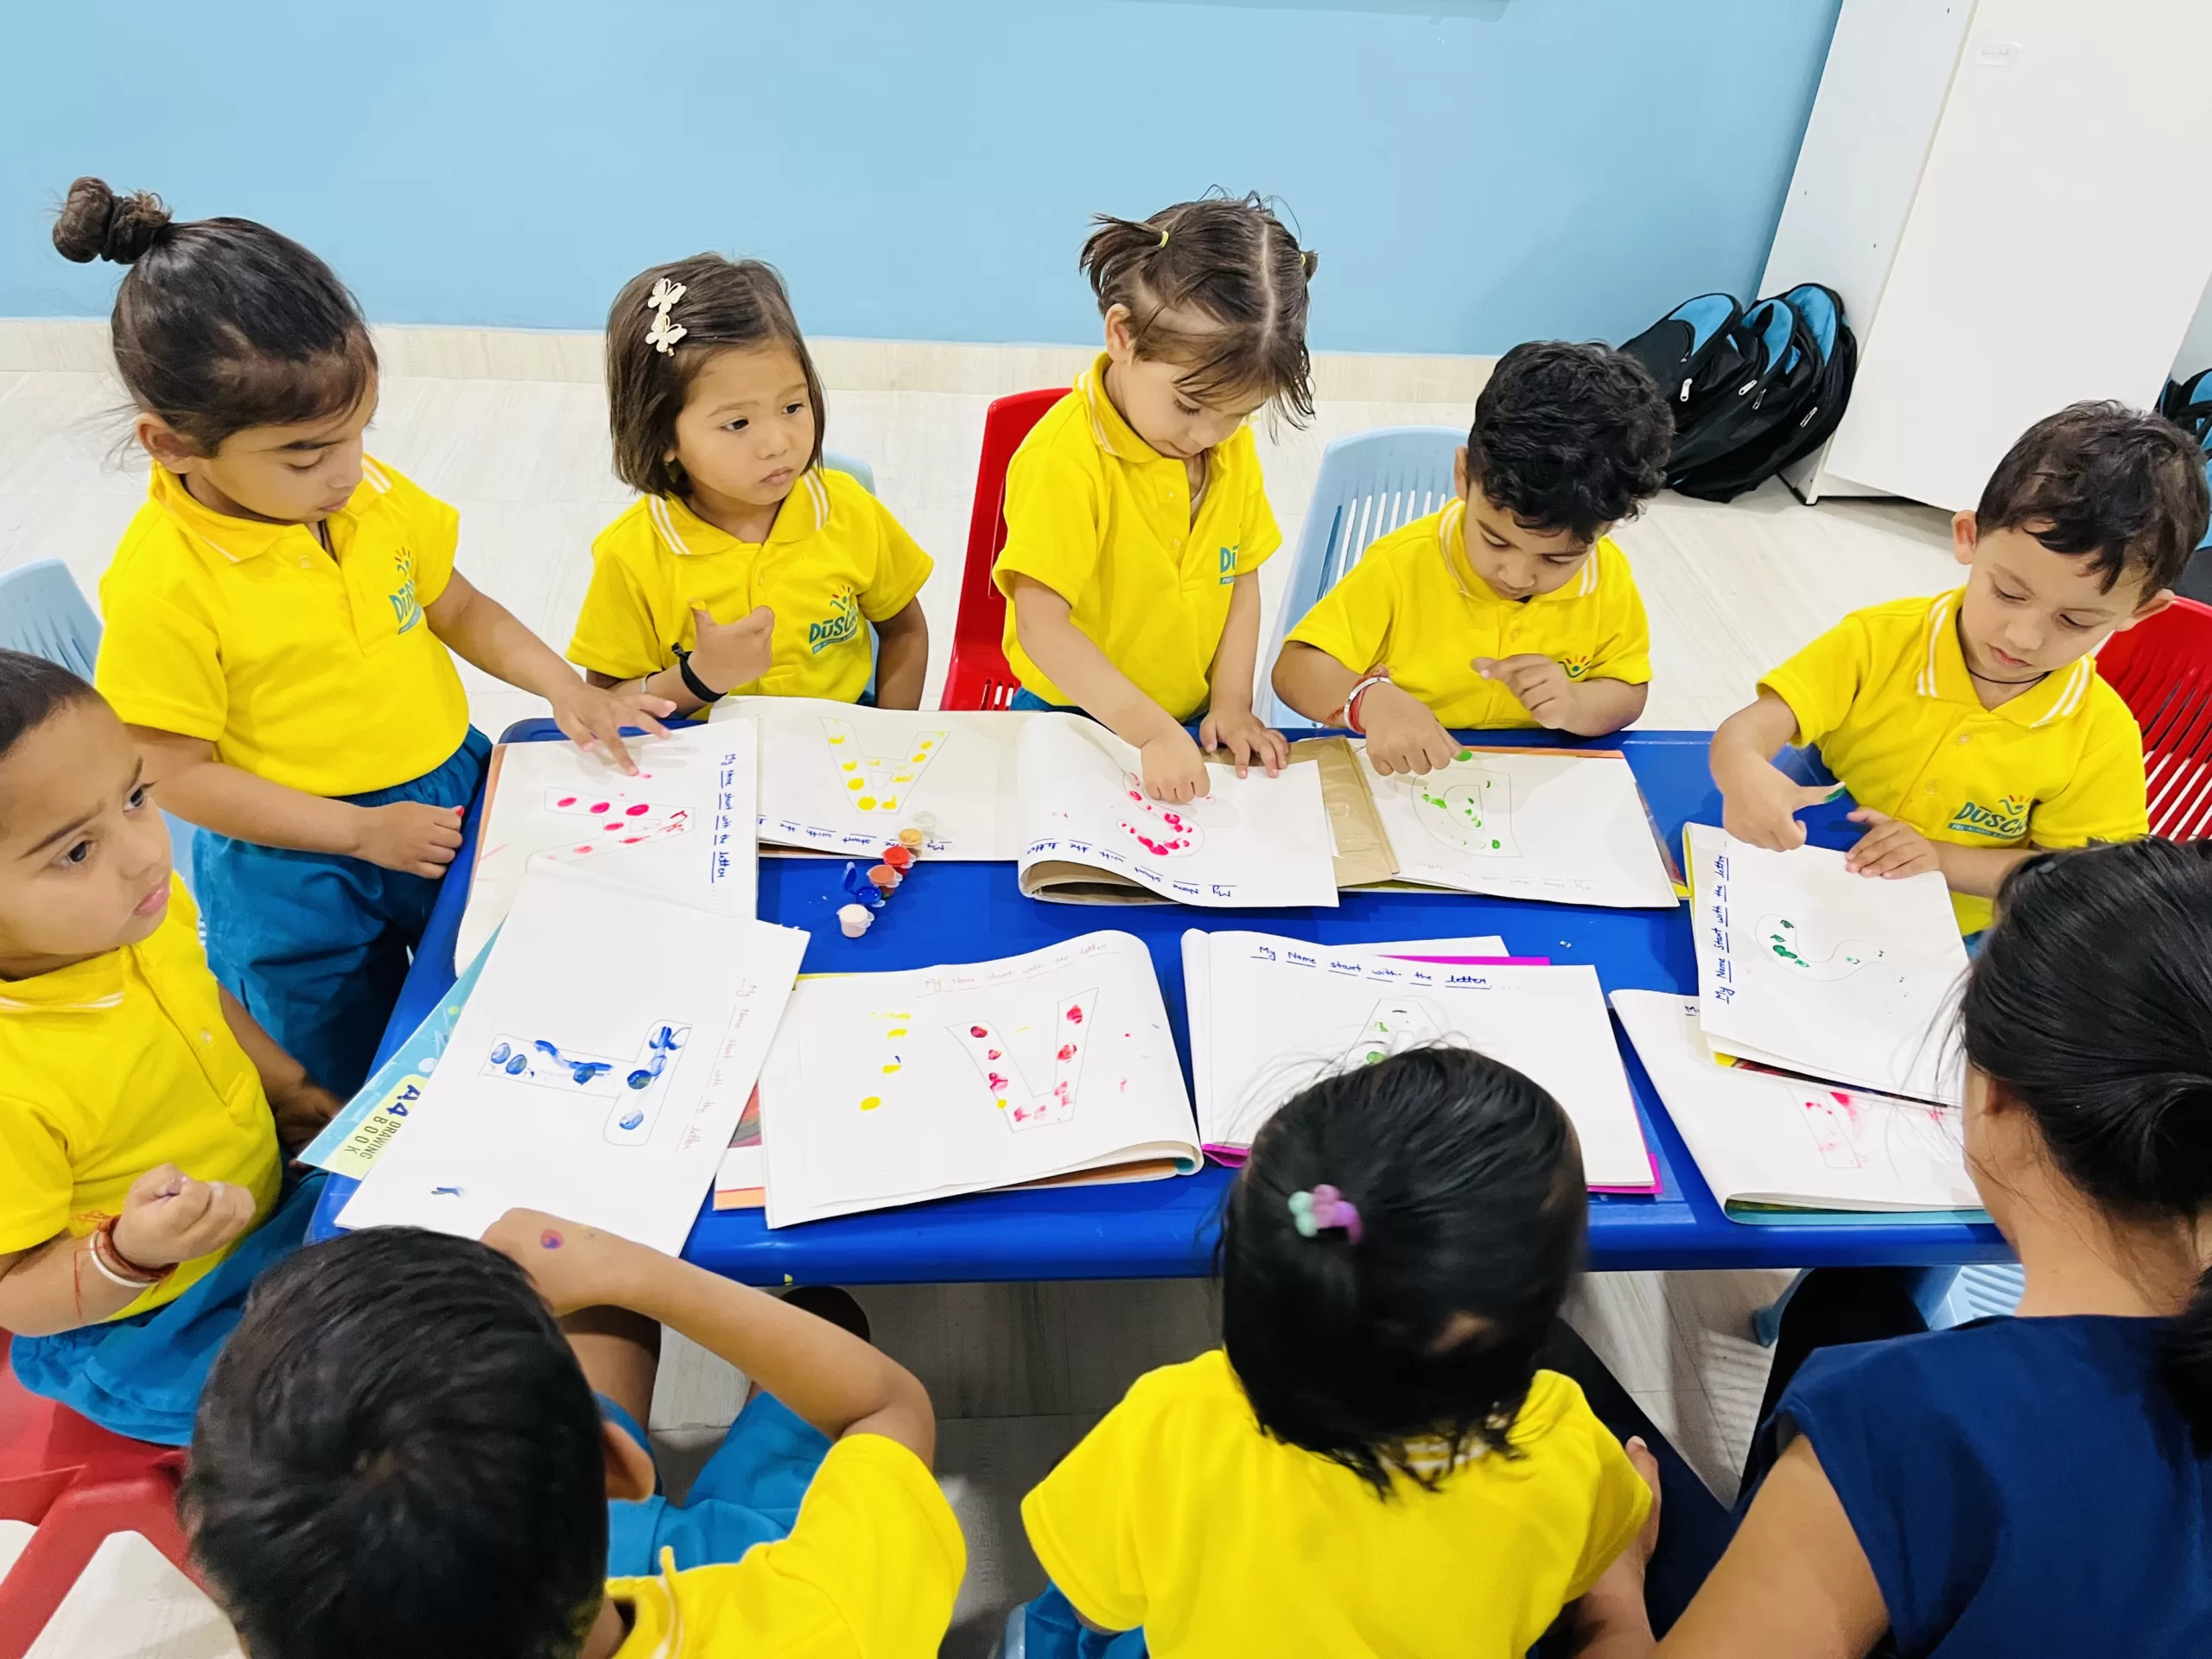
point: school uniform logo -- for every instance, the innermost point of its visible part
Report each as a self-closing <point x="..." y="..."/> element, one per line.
<point x="1576" y="666"/>
<point x="842" y="623"/>
<point x="1228" y="563"/>
<point x="405" y="612"/>
<point x="2007" y="821"/>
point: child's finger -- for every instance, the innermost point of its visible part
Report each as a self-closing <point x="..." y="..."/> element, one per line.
<point x="644" y="714"/>
<point x="612" y="736"/>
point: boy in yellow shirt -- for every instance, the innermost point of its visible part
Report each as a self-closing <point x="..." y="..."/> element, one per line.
<point x="142" y="1111"/>
<point x="1972" y="728"/>
<point x="398" y="1452"/>
<point x="1512" y="606"/>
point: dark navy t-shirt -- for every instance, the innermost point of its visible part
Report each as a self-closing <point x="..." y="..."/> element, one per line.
<point x="2020" y="1486"/>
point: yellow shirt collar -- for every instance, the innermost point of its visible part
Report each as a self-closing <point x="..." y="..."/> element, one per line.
<point x="240" y="539"/>
<point x="1115" y="435"/>
<point x="1943" y="673"/>
<point x="805" y="512"/>
<point x="656" y="1614"/>
<point x="92" y="986"/>
<point x="1451" y="543"/>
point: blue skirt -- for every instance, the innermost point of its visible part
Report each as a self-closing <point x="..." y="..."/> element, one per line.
<point x="749" y="1493"/>
<point x="316" y="944"/>
<point x="141" y="1376"/>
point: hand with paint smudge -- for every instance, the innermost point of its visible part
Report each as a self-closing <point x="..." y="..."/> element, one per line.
<point x="168" y="1218"/>
<point x="573" y="1266"/>
<point x="1248" y="739"/>
<point x="1173" y="769"/>
<point x="727" y="657"/>
<point x="414" y="837"/>
<point x="1403" y="734"/>
<point x="1890" y="848"/>
<point x="593" y="717"/>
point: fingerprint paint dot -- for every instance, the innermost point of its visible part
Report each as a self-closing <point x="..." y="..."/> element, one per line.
<point x="977" y="1031"/>
<point x="602" y="807"/>
<point x="583" y="847"/>
<point x="638" y="811"/>
<point x="889" y="1069"/>
<point x="1067" y="1053"/>
<point x="1075" y="1014"/>
<point x="566" y="800"/>
<point x="847" y="765"/>
<point x="632" y="1120"/>
<point x="835" y="741"/>
<point x="867" y="803"/>
<point x="611" y="824"/>
<point x="896" y="1031"/>
<point x="871" y="1103"/>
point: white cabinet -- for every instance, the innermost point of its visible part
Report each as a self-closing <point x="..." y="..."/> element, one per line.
<point x="2013" y="197"/>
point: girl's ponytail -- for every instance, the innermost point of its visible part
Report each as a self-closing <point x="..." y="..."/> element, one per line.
<point x="2091" y="1006"/>
<point x="96" y="223"/>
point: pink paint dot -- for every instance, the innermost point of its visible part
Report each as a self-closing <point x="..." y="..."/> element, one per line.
<point x="997" y="1083"/>
<point x="611" y="824"/>
<point x="583" y="847"/>
<point x="549" y="1240"/>
<point x="566" y="800"/>
<point x="632" y="841"/>
<point x="1067" y="1052"/>
<point x="602" y="807"/>
<point x="1075" y="1014"/>
<point x="977" y="1031"/>
<point x="993" y="1054"/>
<point x="640" y="810"/>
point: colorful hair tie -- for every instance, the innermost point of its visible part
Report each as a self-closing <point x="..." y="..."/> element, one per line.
<point x="1163" y="238"/>
<point x="1322" y="1209"/>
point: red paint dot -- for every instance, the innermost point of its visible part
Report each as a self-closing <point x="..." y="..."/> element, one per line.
<point x="611" y="824"/>
<point x="640" y="810"/>
<point x="603" y="806"/>
<point x="1074" y="1015"/>
<point x="566" y="800"/>
<point x="583" y="847"/>
<point x="1067" y="1052"/>
<point x="978" y="1031"/>
<point x="632" y="841"/>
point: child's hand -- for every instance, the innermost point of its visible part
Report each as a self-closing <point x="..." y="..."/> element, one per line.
<point x="589" y="716"/>
<point x="1402" y="735"/>
<point x="738" y="654"/>
<point x="1761" y="809"/>
<point x="168" y="1218"/>
<point x="1248" y="741"/>
<point x="1540" y="683"/>
<point x="572" y="1266"/>
<point x="1174" y="768"/>
<point x="301" y="1112"/>
<point x="1890" y="848"/>
<point x="410" y="836"/>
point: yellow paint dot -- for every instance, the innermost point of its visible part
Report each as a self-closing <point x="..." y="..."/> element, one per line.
<point x="889" y="1069"/>
<point x="1000" y="1104"/>
<point x="925" y="743"/>
<point x="896" y="1031"/>
<point x="867" y="803"/>
<point x="871" y="1103"/>
<point x="853" y="783"/>
<point x="836" y="740"/>
<point x="849" y="765"/>
<point x="902" y="778"/>
<point x="920" y="755"/>
<point x="889" y="804"/>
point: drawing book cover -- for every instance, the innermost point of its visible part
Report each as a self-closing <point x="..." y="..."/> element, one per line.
<point x="1810" y="968"/>
<point x="1567" y="826"/>
<point x="683" y="826"/>
<point x="838" y="777"/>
<point x="887" y="1089"/>
<point x="1090" y="834"/>
<point x="1269" y="1015"/>
<point x="1763" y="1139"/>
<point x="606" y="1096"/>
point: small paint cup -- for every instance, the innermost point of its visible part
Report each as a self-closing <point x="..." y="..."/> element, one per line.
<point x="900" y="857"/>
<point x="913" y="838"/>
<point x="854" y="920"/>
<point x="885" y="878"/>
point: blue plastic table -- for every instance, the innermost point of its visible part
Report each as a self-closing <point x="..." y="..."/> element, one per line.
<point x="973" y="912"/>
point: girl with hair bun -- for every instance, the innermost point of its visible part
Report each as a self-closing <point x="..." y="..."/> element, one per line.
<point x="2041" y="1484"/>
<point x="280" y="620"/>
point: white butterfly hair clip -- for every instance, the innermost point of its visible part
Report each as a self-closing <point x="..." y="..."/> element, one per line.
<point x="663" y="335"/>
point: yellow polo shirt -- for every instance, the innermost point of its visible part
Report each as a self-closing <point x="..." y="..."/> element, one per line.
<point x="1886" y="697"/>
<point x="834" y="558"/>
<point x="1104" y="520"/>
<point x="117" y="1065"/>
<point x="314" y="670"/>
<point x="870" y="1568"/>
<point x="1177" y="1514"/>
<point x="1413" y="604"/>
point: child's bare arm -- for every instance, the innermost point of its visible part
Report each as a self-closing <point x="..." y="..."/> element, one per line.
<point x="1230" y="723"/>
<point x="300" y="1105"/>
<point x="486" y="633"/>
<point x="829" y="1377"/>
<point x="417" y="836"/>
<point x="1311" y="680"/>
<point x="1173" y="769"/>
<point x="1759" y="801"/>
<point x="902" y="657"/>
<point x="1589" y="708"/>
<point x="168" y="1217"/>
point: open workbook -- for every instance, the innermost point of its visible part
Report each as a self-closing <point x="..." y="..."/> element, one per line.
<point x="1269" y="1015"/>
<point x="1804" y="965"/>
<point x="1057" y="794"/>
<point x="681" y="828"/>
<point x="608" y="1097"/>
<point x="1769" y="1144"/>
<point x="888" y="1088"/>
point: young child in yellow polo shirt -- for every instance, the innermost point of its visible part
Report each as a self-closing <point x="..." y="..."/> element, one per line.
<point x="746" y="568"/>
<point x="281" y="618"/>
<point x="423" y="1471"/>
<point x="1136" y="520"/>
<point x="138" y="1150"/>
<point x="1512" y="606"/>
<point x="1972" y="728"/>
<point x="1374" y="1462"/>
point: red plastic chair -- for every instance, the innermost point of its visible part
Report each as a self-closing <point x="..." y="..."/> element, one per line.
<point x="76" y="1482"/>
<point x="2162" y="669"/>
<point x="977" y="677"/>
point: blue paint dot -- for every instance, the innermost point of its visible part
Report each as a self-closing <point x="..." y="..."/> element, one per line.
<point x="517" y="1066"/>
<point x="632" y="1120"/>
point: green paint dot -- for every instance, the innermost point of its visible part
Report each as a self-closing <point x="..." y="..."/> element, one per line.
<point x="1375" y="1056"/>
<point x="1496" y="844"/>
<point x="1465" y="754"/>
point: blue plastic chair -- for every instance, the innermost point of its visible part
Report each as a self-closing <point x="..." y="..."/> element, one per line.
<point x="1371" y="484"/>
<point x="44" y="613"/>
<point x="1946" y="1297"/>
<point x="852" y="465"/>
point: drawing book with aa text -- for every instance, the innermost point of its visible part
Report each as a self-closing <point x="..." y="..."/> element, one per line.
<point x="888" y="1088"/>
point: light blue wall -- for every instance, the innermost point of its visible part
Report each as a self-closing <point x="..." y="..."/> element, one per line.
<point x="922" y="169"/>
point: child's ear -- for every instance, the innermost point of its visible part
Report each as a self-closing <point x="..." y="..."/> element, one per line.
<point x="1120" y="339"/>
<point x="1966" y="536"/>
<point x="629" y="1465"/>
<point x="1459" y="471"/>
<point x="2149" y="608"/>
<point x="169" y="446"/>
